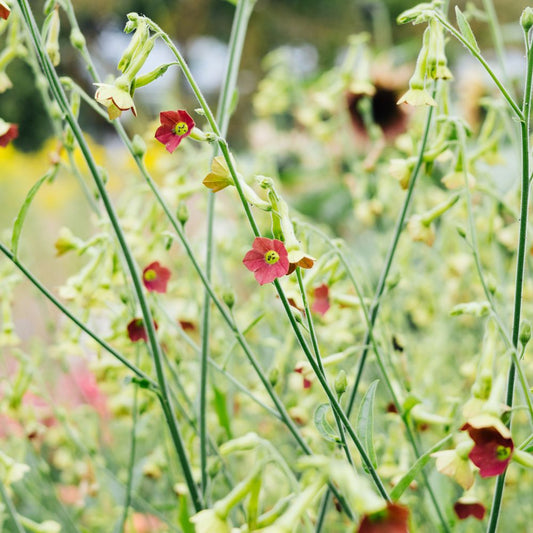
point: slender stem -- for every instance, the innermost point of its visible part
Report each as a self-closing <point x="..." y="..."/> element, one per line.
<point x="236" y="44"/>
<point x="496" y="34"/>
<point x="505" y="93"/>
<point x="11" y="511"/>
<point x="389" y="258"/>
<point x="153" y="344"/>
<point x="520" y="269"/>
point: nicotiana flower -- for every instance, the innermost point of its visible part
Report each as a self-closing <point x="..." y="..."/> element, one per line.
<point x="137" y="331"/>
<point x="175" y="126"/>
<point x="392" y="519"/>
<point x="220" y="177"/>
<point x="297" y="257"/>
<point x="155" y="277"/>
<point x="4" y="10"/>
<point x="8" y="132"/>
<point x="115" y="98"/>
<point x="268" y="259"/>
<point x="468" y="506"/>
<point x="493" y="445"/>
<point x="417" y="97"/>
<point x="321" y="301"/>
<point x="455" y="464"/>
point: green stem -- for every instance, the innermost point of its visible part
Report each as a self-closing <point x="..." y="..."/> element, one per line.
<point x="11" y="511"/>
<point x="236" y="44"/>
<point x="520" y="270"/>
<point x="496" y="34"/>
<point x="153" y="344"/>
<point x="389" y="259"/>
<point x="479" y="57"/>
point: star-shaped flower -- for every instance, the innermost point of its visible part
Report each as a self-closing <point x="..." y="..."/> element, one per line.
<point x="392" y="519"/>
<point x="268" y="259"/>
<point x="8" y="132"/>
<point x="493" y="445"/>
<point x="467" y="506"/>
<point x="115" y="98"/>
<point x="155" y="277"/>
<point x="175" y="126"/>
<point x="4" y="10"/>
<point x="137" y="331"/>
<point x="321" y="302"/>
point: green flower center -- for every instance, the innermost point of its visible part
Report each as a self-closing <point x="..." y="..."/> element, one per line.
<point x="503" y="453"/>
<point x="271" y="257"/>
<point x="150" y="275"/>
<point x="181" y="128"/>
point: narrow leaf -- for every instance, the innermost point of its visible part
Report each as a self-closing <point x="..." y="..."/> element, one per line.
<point x="19" y="220"/>
<point x="221" y="409"/>
<point x="365" y="421"/>
<point x="408" y="477"/>
<point x="323" y="426"/>
<point x="466" y="30"/>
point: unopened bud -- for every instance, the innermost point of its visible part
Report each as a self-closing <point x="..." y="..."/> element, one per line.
<point x="526" y="19"/>
<point x="525" y="332"/>
<point x="77" y="39"/>
<point x="182" y="213"/>
<point x="228" y="297"/>
<point x="139" y="146"/>
<point x="52" y="41"/>
<point x="273" y="376"/>
<point x="341" y="383"/>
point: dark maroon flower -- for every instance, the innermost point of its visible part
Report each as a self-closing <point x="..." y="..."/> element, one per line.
<point x="321" y="302"/>
<point x="137" y="331"/>
<point x="493" y="445"/>
<point x="4" y="10"/>
<point x="155" y="277"/>
<point x="187" y="325"/>
<point x="392" y="519"/>
<point x="465" y="507"/>
<point x="175" y="126"/>
<point x="8" y="132"/>
<point x="268" y="259"/>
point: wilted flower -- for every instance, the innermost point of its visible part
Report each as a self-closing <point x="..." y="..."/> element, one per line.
<point x="392" y="519"/>
<point x="268" y="260"/>
<point x="455" y="464"/>
<point x="219" y="177"/>
<point x="400" y="170"/>
<point x="8" y="132"/>
<point x="469" y="506"/>
<point x="493" y="445"/>
<point x="4" y="10"/>
<point x="137" y="331"/>
<point x="298" y="258"/>
<point x="116" y="98"/>
<point x="155" y="277"/>
<point x="321" y="301"/>
<point x="175" y="126"/>
<point x="420" y="231"/>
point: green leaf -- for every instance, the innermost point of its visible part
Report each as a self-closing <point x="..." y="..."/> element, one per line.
<point x="410" y="402"/>
<point x="323" y="426"/>
<point x="408" y="477"/>
<point x="365" y="421"/>
<point x="221" y="410"/>
<point x="19" y="220"/>
<point x="466" y="30"/>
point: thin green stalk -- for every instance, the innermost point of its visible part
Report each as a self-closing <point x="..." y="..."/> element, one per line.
<point x="236" y="44"/>
<point x="496" y="34"/>
<point x="505" y="93"/>
<point x="389" y="258"/>
<point x="11" y="511"/>
<point x="138" y="372"/>
<point x="153" y="344"/>
<point x="520" y="270"/>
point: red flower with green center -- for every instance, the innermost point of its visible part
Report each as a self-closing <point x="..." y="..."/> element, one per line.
<point x="321" y="301"/>
<point x="268" y="259"/>
<point x="4" y="10"/>
<point x="464" y="508"/>
<point x="137" y="331"/>
<point x="155" y="277"/>
<point x="8" y="132"/>
<point x="175" y="126"/>
<point x="493" y="445"/>
<point x="392" y="519"/>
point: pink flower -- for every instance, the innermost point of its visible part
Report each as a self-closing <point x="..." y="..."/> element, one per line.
<point x="155" y="277"/>
<point x="175" y="125"/>
<point x="268" y="259"/>
<point x="8" y="132"/>
<point x="465" y="507"/>
<point x="137" y="331"/>
<point x="393" y="519"/>
<point x="493" y="445"/>
<point x="321" y="301"/>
